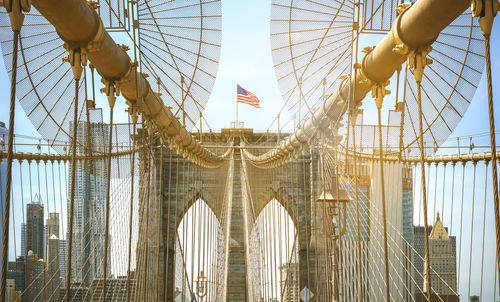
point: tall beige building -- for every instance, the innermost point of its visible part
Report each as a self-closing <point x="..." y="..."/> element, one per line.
<point x="443" y="261"/>
<point x="51" y="228"/>
<point x="53" y="273"/>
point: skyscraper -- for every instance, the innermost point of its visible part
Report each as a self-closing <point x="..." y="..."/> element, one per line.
<point x="3" y="178"/>
<point x="34" y="278"/>
<point x="35" y="228"/>
<point x="23" y="240"/>
<point x="10" y="290"/>
<point x="51" y="227"/>
<point x="446" y="252"/>
<point x="443" y="261"/>
<point x="62" y="260"/>
<point x="52" y="276"/>
<point x="407" y="232"/>
<point x="15" y="270"/>
<point x="89" y="208"/>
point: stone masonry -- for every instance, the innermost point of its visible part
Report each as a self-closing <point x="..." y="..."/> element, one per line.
<point x="175" y="183"/>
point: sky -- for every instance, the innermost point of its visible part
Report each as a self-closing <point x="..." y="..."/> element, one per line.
<point x="246" y="60"/>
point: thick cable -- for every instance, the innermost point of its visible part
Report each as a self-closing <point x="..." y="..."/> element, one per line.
<point x="452" y="196"/>
<point x="486" y="163"/>
<point x="72" y="192"/>
<point x="356" y="196"/>
<point x="435" y="191"/>
<point x="382" y="184"/>
<point x="424" y="193"/>
<point x="108" y="197"/>
<point x="168" y="241"/>
<point x="159" y="217"/>
<point x="461" y="224"/>
<point x="472" y="225"/>
<point x="339" y="226"/>
<point x="8" y="181"/>
<point x="131" y="213"/>
<point x="494" y="163"/>
<point x="444" y="190"/>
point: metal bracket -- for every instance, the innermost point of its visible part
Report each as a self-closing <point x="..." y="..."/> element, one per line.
<point x="112" y="90"/>
<point x="379" y="91"/>
<point x="96" y="43"/>
<point x="134" y="113"/>
<point x="16" y="8"/>
<point x="417" y="59"/>
<point x="77" y="58"/>
<point x="400" y="46"/>
<point x="486" y="10"/>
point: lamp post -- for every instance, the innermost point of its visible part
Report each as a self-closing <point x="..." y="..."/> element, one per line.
<point x="334" y="225"/>
<point x="201" y="286"/>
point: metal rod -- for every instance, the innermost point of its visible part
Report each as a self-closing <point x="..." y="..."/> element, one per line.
<point x="384" y="217"/>
<point x="424" y="195"/>
<point x="72" y="192"/>
<point x="8" y="183"/>
<point x="494" y="162"/>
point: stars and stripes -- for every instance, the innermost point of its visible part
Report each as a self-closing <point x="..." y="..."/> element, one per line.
<point x="246" y="97"/>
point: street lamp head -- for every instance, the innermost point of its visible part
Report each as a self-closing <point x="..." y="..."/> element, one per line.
<point x="335" y="194"/>
<point x="201" y="285"/>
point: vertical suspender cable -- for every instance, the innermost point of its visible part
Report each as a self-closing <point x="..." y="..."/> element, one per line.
<point x="325" y="228"/>
<point x="435" y="191"/>
<point x="452" y="195"/>
<point x="339" y="226"/>
<point x="444" y="187"/>
<point x="424" y="193"/>
<point x="494" y="163"/>
<point x="108" y="196"/>
<point x="10" y="147"/>
<point x="382" y="184"/>
<point x="149" y="167"/>
<point x="72" y="192"/>
<point x="356" y="194"/>
<point x="168" y="242"/>
<point x="472" y="224"/>
<point x="461" y="223"/>
<point x="132" y="174"/>
<point x="486" y="10"/>
<point x="159" y="197"/>
<point x="486" y="163"/>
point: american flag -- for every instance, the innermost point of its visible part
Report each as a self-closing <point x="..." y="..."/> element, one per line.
<point x="245" y="96"/>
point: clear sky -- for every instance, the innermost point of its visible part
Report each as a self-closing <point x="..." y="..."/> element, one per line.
<point x="246" y="59"/>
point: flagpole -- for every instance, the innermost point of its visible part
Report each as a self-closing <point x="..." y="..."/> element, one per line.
<point x="237" y="123"/>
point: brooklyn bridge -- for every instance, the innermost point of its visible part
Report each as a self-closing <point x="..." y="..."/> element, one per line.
<point x="375" y="179"/>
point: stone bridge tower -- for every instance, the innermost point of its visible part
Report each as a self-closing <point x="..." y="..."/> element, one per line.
<point x="175" y="183"/>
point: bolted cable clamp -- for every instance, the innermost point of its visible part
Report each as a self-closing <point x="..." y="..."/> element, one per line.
<point x="77" y="58"/>
<point x="134" y="113"/>
<point x="417" y="60"/>
<point x="16" y="8"/>
<point x="112" y="90"/>
<point x="486" y="10"/>
<point x="379" y="91"/>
